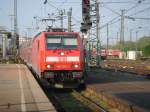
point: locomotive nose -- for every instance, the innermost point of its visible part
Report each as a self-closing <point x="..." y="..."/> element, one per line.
<point x="63" y="62"/>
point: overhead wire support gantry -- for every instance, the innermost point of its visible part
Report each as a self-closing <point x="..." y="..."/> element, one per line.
<point x="15" y="28"/>
<point x="90" y="27"/>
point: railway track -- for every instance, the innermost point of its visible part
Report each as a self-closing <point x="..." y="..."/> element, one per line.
<point x="73" y="101"/>
<point x="119" y="91"/>
<point x="94" y="106"/>
<point x="68" y="100"/>
<point x="89" y="101"/>
<point x="135" y="67"/>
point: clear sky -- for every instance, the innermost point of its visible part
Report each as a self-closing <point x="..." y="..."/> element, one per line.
<point x="109" y="9"/>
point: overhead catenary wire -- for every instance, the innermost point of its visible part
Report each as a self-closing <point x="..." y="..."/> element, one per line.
<point x="114" y="17"/>
<point x="126" y="2"/>
<point x="128" y="10"/>
<point x="104" y="7"/>
<point x="118" y="13"/>
<point x="112" y="10"/>
<point x="111" y="22"/>
<point x="136" y="5"/>
<point x="140" y="11"/>
<point x="61" y="5"/>
<point x="114" y="2"/>
<point x="77" y="21"/>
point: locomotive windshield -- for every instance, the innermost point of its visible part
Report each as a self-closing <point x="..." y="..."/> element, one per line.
<point x="61" y="41"/>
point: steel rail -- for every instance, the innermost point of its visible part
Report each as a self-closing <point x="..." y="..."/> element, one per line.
<point x="87" y="101"/>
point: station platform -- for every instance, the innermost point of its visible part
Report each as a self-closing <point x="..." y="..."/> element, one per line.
<point x="19" y="91"/>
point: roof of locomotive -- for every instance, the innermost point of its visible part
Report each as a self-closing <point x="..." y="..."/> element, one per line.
<point x="61" y="33"/>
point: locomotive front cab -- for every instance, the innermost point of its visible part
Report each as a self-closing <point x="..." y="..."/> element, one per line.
<point x="63" y="57"/>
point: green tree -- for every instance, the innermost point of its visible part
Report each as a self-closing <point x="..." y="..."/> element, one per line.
<point x="128" y="45"/>
<point x="146" y="50"/>
<point x="143" y="42"/>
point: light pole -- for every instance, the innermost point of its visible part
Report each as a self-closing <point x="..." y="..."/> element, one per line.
<point x="107" y="36"/>
<point x="131" y="34"/>
<point x="15" y="26"/>
<point x="36" y="22"/>
<point x="136" y="40"/>
<point x="4" y="40"/>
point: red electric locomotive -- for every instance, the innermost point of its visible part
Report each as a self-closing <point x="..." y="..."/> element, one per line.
<point x="56" y="56"/>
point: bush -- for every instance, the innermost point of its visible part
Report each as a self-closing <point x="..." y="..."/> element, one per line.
<point x="146" y="50"/>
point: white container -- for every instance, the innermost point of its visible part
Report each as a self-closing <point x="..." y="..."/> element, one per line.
<point x="121" y="55"/>
<point x="131" y="55"/>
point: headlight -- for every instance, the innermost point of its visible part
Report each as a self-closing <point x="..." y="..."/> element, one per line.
<point x="75" y="66"/>
<point x="62" y="53"/>
<point x="48" y="66"/>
